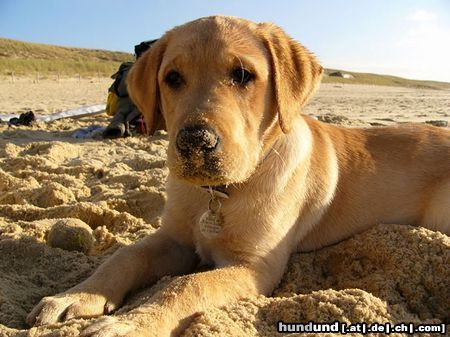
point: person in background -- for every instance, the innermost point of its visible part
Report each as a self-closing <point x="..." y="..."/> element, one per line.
<point x="127" y="119"/>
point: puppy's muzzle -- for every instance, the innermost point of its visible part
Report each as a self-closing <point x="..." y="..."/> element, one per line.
<point x="196" y="139"/>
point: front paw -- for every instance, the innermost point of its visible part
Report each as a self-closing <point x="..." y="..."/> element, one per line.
<point x="65" y="306"/>
<point x="117" y="326"/>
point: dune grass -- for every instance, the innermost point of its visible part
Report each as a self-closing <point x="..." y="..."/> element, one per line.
<point x="20" y="67"/>
<point x="26" y="59"/>
<point x="388" y="80"/>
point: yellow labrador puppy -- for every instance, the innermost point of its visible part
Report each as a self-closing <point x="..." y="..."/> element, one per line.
<point x="251" y="179"/>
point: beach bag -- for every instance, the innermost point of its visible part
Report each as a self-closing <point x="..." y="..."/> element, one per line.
<point x="127" y="119"/>
<point x="111" y="104"/>
<point x="118" y="89"/>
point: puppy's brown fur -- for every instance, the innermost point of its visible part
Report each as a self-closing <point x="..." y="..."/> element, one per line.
<point x="293" y="183"/>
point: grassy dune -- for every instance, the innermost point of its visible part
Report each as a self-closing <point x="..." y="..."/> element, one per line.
<point x="25" y="59"/>
<point x="28" y="59"/>
<point x="375" y="79"/>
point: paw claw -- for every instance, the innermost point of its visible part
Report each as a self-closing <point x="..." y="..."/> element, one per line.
<point x="66" y="306"/>
<point x="109" y="307"/>
<point x="111" y="327"/>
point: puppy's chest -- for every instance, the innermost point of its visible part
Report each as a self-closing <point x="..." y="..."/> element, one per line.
<point x="219" y="233"/>
<point x="210" y="231"/>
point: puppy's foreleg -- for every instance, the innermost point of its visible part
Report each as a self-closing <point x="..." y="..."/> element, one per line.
<point x="170" y="311"/>
<point x="129" y="268"/>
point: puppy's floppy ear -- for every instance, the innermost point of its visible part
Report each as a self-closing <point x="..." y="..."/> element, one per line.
<point x="295" y="73"/>
<point x="142" y="82"/>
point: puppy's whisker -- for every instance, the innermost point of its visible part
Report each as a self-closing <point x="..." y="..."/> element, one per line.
<point x="236" y="186"/>
<point x="279" y="155"/>
<point x="242" y="68"/>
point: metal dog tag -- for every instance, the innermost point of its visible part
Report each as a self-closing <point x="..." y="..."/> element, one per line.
<point x="210" y="224"/>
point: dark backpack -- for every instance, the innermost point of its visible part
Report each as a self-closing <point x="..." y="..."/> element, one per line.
<point x="119" y="104"/>
<point x="119" y="88"/>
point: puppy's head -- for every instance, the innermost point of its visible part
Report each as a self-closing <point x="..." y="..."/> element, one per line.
<point x="227" y="88"/>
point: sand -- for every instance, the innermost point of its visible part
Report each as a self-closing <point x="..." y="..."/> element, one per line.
<point x="391" y="273"/>
<point x="51" y="95"/>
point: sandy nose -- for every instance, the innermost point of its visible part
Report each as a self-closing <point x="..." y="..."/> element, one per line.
<point x="196" y="138"/>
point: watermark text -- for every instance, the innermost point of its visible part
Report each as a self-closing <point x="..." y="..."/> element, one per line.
<point x="362" y="328"/>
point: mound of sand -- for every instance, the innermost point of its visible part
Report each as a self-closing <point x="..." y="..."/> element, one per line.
<point x="392" y="273"/>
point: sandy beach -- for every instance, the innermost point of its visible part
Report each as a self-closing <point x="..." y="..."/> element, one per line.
<point x="116" y="189"/>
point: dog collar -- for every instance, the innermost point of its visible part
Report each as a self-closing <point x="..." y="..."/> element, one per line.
<point x="220" y="191"/>
<point x="217" y="191"/>
<point x="211" y="222"/>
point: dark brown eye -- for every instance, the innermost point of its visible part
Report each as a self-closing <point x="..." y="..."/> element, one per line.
<point x="174" y="79"/>
<point x="241" y="76"/>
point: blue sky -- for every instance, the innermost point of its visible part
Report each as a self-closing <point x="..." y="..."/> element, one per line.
<point x="409" y="38"/>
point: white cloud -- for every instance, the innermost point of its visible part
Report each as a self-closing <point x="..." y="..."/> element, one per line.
<point x="424" y="45"/>
<point x="425" y="34"/>
<point x="417" y="47"/>
<point x="422" y="15"/>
